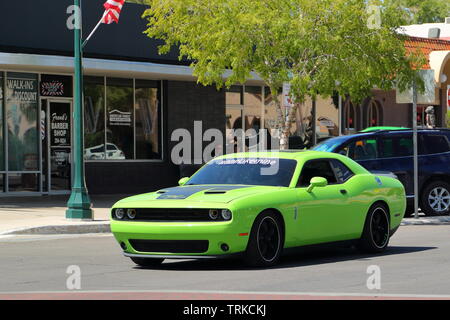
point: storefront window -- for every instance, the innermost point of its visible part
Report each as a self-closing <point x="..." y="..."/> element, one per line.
<point x="252" y="107"/>
<point x="234" y="95"/>
<point x="21" y="119"/>
<point x="147" y="112"/>
<point x="23" y="182"/>
<point x="132" y="126"/>
<point x="271" y="118"/>
<point x="94" y="118"/>
<point x="327" y="124"/>
<point x="301" y="131"/>
<point x="2" y="144"/>
<point x="120" y="119"/>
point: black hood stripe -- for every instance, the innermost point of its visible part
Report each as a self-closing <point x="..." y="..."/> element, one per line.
<point x="184" y="192"/>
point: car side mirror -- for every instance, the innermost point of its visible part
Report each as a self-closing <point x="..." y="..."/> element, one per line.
<point x="183" y="181"/>
<point x="317" y="182"/>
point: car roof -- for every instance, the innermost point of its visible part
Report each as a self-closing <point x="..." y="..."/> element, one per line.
<point x="411" y="130"/>
<point x="391" y="131"/>
<point x="383" y="128"/>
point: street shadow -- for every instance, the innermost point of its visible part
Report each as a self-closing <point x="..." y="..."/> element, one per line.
<point x="300" y="258"/>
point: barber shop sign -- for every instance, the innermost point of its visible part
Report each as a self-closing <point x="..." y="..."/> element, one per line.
<point x="52" y="89"/>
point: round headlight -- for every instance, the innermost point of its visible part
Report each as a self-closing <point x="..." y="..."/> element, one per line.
<point x="226" y="214"/>
<point x="120" y="213"/>
<point x="214" y="214"/>
<point x="131" y="213"/>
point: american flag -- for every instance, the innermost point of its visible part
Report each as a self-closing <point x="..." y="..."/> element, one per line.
<point x="112" y="13"/>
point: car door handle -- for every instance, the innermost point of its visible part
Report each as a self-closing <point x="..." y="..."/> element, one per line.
<point x="343" y="191"/>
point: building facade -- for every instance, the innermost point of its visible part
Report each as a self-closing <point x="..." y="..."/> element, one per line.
<point x="134" y="100"/>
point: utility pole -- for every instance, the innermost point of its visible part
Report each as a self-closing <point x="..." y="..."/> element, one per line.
<point x="79" y="204"/>
<point x="415" y="155"/>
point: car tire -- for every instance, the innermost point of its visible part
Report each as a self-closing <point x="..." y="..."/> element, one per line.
<point x="376" y="232"/>
<point x="147" y="262"/>
<point x="435" y="199"/>
<point x="266" y="241"/>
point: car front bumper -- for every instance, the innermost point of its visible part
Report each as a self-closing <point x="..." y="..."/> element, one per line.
<point x="216" y="233"/>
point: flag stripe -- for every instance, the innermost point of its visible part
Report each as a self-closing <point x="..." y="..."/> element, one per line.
<point x="112" y="11"/>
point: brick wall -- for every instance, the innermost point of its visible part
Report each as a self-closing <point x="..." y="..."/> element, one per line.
<point x="188" y="102"/>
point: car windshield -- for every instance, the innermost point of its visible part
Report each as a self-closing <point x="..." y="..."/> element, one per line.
<point x="330" y="145"/>
<point x="249" y="171"/>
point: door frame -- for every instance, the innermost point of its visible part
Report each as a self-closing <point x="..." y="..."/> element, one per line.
<point x="48" y="153"/>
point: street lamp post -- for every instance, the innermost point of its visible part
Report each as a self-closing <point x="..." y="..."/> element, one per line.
<point x="79" y="204"/>
<point x="415" y="152"/>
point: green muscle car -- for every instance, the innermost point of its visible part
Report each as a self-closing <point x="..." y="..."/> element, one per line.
<point x="258" y="204"/>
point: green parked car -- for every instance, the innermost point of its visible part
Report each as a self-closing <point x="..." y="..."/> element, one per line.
<point x="258" y="205"/>
<point x="372" y="129"/>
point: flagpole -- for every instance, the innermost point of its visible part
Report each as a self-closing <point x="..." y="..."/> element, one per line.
<point x="95" y="29"/>
<point x="79" y="204"/>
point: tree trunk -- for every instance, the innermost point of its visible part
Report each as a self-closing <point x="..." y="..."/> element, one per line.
<point x="284" y="122"/>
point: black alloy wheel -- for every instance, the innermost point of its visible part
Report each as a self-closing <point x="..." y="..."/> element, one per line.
<point x="379" y="226"/>
<point x="376" y="233"/>
<point x="266" y="241"/>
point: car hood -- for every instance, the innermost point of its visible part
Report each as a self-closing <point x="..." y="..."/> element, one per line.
<point x="195" y="194"/>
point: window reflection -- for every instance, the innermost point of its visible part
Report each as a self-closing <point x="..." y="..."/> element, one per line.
<point x="120" y="119"/>
<point x="23" y="182"/>
<point x="271" y="122"/>
<point x="147" y="120"/>
<point x="2" y="144"/>
<point x="94" y="118"/>
<point x="21" y="119"/>
<point x="133" y="131"/>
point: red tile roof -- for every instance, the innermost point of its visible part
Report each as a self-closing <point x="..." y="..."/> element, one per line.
<point x="426" y="45"/>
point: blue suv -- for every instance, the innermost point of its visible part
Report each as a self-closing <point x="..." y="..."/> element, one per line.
<point x="392" y="150"/>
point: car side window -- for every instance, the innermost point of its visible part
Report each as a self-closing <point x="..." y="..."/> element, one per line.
<point x="99" y="149"/>
<point x="316" y="168"/>
<point x="400" y="146"/>
<point x="435" y="143"/>
<point x="361" y="149"/>
<point x="343" y="173"/>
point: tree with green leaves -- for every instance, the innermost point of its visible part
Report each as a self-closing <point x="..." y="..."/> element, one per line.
<point x="320" y="47"/>
<point x="425" y="11"/>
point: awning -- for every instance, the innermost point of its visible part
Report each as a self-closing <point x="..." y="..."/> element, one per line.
<point x="100" y="67"/>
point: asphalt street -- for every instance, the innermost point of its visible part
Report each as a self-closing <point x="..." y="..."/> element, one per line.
<point x="416" y="263"/>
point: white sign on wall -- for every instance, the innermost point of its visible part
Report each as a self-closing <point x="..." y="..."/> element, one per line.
<point x="427" y="97"/>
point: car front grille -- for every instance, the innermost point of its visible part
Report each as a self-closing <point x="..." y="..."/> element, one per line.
<point x="170" y="246"/>
<point x="169" y="215"/>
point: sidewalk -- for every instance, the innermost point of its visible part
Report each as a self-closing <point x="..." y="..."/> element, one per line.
<point x="46" y="215"/>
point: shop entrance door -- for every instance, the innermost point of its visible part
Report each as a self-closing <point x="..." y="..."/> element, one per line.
<point x="56" y="126"/>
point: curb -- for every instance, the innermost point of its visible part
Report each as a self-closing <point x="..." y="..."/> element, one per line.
<point x="443" y="220"/>
<point x="61" y="229"/>
<point x="105" y="227"/>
